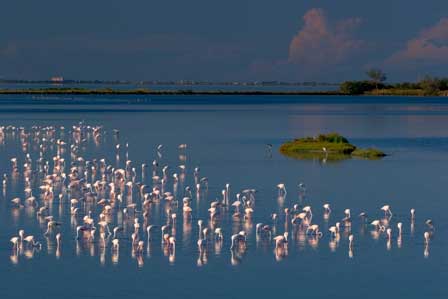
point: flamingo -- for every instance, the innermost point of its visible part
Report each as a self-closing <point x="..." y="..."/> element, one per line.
<point x="307" y="210"/>
<point x="237" y="238"/>
<point x="389" y="234"/>
<point x="218" y="233"/>
<point x="350" y="240"/>
<point x="202" y="242"/>
<point x="58" y="240"/>
<point x="430" y="224"/>
<point x="21" y="235"/>
<point x="427" y="237"/>
<point x="16" y="202"/>
<point x="237" y="205"/>
<point x="334" y="231"/>
<point x="248" y="213"/>
<point x="363" y="216"/>
<point x="116" y="230"/>
<point x="378" y="225"/>
<point x="281" y="240"/>
<point x="400" y="227"/>
<point x="281" y="189"/>
<point x="115" y="244"/>
<point x="387" y="211"/>
<point x="274" y="218"/>
<point x="172" y="243"/>
<point x="149" y="228"/>
<point x="15" y="242"/>
<point x="30" y="240"/>
<point x="262" y="228"/>
<point x="347" y="217"/>
<point x="163" y="231"/>
<point x="314" y="229"/>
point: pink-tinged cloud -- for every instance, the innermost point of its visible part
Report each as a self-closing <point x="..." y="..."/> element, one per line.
<point x="319" y="43"/>
<point x="429" y="47"/>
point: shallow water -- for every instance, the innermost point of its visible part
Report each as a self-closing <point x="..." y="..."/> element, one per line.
<point x="228" y="142"/>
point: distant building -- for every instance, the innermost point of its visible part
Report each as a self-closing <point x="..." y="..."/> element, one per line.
<point x="59" y="79"/>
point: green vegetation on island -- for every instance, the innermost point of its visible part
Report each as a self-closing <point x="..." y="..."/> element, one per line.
<point x="330" y="146"/>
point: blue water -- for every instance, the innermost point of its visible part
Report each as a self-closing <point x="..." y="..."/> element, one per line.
<point x="227" y="139"/>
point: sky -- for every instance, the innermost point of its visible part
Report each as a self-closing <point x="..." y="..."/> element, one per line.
<point x="232" y="40"/>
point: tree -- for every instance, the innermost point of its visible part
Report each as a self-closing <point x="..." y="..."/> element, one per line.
<point x="430" y="85"/>
<point x="356" y="87"/>
<point x="377" y="76"/>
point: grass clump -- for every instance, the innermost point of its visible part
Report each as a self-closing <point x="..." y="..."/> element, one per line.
<point x="368" y="153"/>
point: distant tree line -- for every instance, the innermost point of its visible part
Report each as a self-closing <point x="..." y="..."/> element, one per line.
<point x="426" y="86"/>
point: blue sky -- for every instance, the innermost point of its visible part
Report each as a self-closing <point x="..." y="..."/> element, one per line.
<point x="288" y="40"/>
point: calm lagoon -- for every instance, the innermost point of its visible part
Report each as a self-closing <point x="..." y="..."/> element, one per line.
<point x="226" y="138"/>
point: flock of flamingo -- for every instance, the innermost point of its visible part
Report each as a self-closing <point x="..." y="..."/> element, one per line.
<point x="111" y="207"/>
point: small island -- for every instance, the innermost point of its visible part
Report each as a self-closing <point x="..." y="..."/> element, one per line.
<point x="330" y="146"/>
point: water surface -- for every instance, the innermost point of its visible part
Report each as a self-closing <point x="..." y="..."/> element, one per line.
<point x="227" y="140"/>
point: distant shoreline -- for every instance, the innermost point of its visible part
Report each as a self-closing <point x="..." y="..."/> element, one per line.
<point x="75" y="91"/>
<point x="190" y="92"/>
<point x="70" y="91"/>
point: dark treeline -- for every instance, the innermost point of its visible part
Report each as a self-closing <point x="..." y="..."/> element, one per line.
<point x="428" y="86"/>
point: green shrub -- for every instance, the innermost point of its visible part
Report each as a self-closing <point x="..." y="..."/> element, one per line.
<point x="357" y="87"/>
